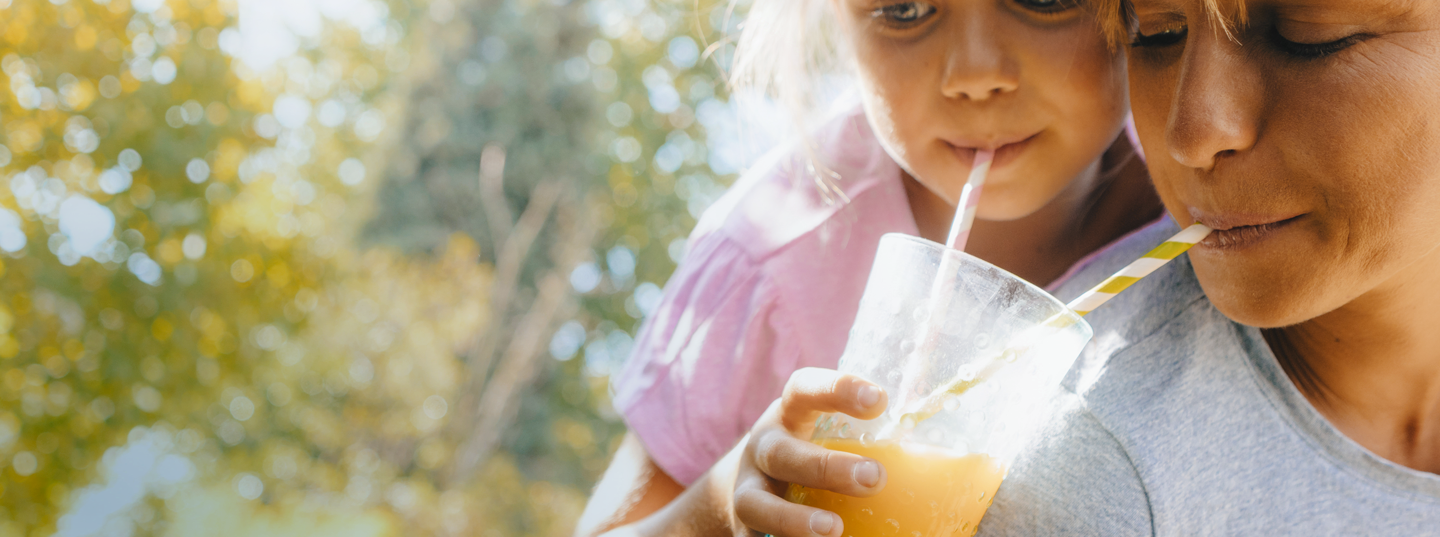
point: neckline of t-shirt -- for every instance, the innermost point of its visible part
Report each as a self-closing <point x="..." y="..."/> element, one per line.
<point x="1344" y="452"/>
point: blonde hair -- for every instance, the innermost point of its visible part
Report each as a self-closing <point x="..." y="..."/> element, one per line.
<point x="786" y="48"/>
<point x="775" y="57"/>
<point x="1117" y="18"/>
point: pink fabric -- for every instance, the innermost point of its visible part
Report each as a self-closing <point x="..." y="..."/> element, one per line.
<point x="770" y="284"/>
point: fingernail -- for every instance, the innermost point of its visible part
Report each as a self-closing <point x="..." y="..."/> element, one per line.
<point x="867" y="474"/>
<point x="821" y="523"/>
<point x="869" y="395"/>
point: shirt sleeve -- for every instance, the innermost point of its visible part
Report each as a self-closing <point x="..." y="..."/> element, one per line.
<point x="708" y="362"/>
<point x="1077" y="479"/>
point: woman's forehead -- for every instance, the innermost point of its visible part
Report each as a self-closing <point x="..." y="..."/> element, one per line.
<point x="1119" y="16"/>
<point x="1237" y="10"/>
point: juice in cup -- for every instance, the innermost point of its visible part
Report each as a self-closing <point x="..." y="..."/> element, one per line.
<point x="970" y="357"/>
<point x="967" y="388"/>
<point x="928" y="491"/>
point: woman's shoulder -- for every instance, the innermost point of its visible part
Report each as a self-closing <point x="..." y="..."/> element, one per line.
<point x="1197" y="404"/>
<point x="785" y="202"/>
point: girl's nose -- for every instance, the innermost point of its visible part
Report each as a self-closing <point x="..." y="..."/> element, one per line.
<point x="1211" y="115"/>
<point x="978" y="67"/>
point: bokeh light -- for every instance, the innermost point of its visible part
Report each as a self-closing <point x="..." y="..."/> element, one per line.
<point x="349" y="267"/>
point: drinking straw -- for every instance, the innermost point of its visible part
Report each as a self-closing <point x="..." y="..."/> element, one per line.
<point x="1140" y="268"/>
<point x="959" y="234"/>
<point x="981" y="371"/>
<point x="969" y="200"/>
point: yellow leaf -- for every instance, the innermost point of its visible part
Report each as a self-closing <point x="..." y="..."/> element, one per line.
<point x="162" y="329"/>
<point x="279" y="275"/>
<point x="9" y="347"/>
<point x="170" y="251"/>
<point x="73" y="349"/>
<point x="85" y="37"/>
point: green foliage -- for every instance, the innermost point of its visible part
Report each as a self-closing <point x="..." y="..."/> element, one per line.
<point x="304" y="315"/>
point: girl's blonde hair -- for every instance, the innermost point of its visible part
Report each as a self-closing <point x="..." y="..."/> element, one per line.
<point x="1117" y="18"/>
<point x="787" y="48"/>
<point x="777" y="58"/>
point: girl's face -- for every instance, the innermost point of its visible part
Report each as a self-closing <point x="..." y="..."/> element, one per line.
<point x="1031" y="79"/>
<point x="1311" y="138"/>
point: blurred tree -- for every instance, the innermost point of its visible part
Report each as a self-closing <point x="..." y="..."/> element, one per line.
<point x="191" y="335"/>
<point x="518" y="106"/>
<point x="177" y="275"/>
<point x="493" y="149"/>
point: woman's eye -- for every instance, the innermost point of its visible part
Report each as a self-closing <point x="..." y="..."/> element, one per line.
<point x="1314" y="50"/>
<point x="904" y="14"/>
<point x="1048" y="6"/>
<point x="1163" y="38"/>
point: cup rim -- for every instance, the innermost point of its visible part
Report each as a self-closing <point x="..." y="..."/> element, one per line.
<point x="945" y="250"/>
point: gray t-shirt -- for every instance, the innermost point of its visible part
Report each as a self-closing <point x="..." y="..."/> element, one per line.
<point x="1178" y="421"/>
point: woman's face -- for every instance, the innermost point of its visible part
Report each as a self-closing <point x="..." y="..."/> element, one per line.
<point x="1032" y="79"/>
<point x="1311" y="139"/>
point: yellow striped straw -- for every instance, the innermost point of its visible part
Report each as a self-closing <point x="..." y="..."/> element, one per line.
<point x="984" y="369"/>
<point x="1141" y="268"/>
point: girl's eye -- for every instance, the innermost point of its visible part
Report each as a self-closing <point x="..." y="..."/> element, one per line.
<point x="904" y="14"/>
<point x="1312" y="51"/>
<point x="1048" y="6"/>
<point x="1163" y="38"/>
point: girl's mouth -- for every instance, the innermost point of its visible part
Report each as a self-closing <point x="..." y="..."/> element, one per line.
<point x="1006" y="149"/>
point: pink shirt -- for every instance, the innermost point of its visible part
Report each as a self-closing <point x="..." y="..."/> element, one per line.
<point x="770" y="284"/>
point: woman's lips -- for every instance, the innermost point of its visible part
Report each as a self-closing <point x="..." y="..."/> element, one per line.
<point x="1237" y="232"/>
<point x="1006" y="149"/>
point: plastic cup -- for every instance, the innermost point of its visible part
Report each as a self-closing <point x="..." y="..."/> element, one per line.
<point x="931" y="315"/>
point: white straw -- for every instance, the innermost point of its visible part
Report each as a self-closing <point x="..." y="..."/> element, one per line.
<point x="969" y="200"/>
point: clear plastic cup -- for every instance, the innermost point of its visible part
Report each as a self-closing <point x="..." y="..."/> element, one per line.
<point x="933" y="319"/>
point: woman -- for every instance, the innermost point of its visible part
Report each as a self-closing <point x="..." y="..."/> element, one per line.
<point x="1300" y="392"/>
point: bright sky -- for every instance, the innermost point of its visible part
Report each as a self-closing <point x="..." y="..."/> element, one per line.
<point x="271" y="30"/>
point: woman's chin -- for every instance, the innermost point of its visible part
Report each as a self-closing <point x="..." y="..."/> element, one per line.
<point x="1263" y="300"/>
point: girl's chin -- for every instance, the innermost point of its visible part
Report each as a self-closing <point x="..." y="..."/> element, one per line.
<point x="1003" y="200"/>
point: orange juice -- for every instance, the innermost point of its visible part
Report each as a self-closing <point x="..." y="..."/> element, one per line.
<point x="928" y="491"/>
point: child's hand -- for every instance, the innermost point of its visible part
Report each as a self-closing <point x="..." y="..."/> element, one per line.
<point x="779" y="452"/>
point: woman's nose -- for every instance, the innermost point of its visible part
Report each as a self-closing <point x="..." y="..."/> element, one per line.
<point x="1213" y="113"/>
<point x="977" y="66"/>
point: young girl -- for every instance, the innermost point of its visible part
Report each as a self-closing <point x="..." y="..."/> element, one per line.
<point x="774" y="272"/>
<point x="1285" y="379"/>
